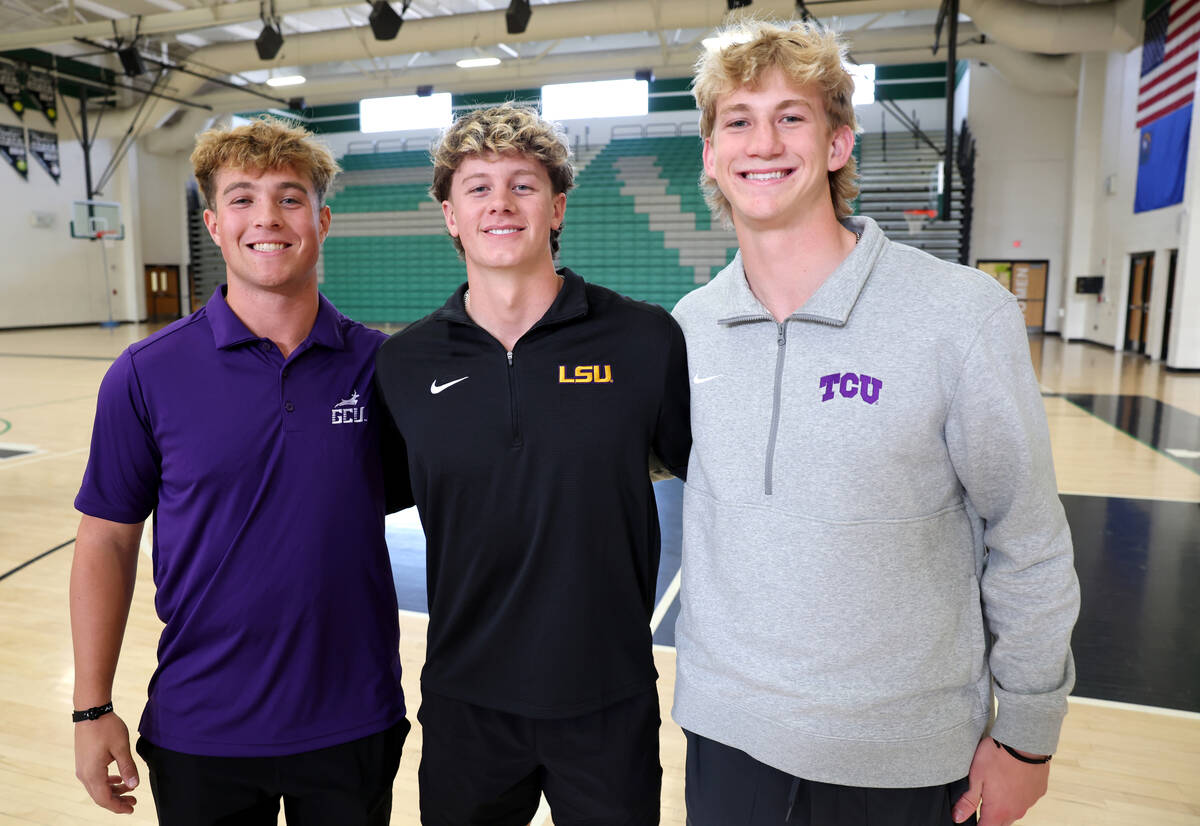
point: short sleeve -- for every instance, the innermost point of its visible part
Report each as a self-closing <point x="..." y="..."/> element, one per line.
<point x="673" y="430"/>
<point x="124" y="466"/>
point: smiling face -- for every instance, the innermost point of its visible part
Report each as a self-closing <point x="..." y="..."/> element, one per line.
<point x="501" y="209"/>
<point x="269" y="226"/>
<point x="771" y="152"/>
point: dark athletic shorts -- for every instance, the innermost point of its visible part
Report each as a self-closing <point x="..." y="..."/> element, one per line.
<point x="482" y="766"/>
<point x="727" y="787"/>
<point x="348" y="784"/>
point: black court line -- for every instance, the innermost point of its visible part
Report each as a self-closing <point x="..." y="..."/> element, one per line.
<point x="1156" y="424"/>
<point x="29" y="562"/>
<point x="50" y="356"/>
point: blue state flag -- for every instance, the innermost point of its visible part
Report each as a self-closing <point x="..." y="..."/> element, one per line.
<point x="1162" y="160"/>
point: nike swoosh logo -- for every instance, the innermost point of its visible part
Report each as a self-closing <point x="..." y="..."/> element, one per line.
<point x="697" y="380"/>
<point x="436" y="388"/>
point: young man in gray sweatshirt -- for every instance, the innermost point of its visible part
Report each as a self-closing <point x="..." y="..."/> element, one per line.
<point x="873" y="548"/>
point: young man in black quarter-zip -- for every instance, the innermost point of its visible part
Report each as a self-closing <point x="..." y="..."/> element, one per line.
<point x="529" y="404"/>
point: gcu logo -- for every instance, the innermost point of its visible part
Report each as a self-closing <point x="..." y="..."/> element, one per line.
<point x="851" y="385"/>
<point x="347" y="411"/>
<point x="586" y="374"/>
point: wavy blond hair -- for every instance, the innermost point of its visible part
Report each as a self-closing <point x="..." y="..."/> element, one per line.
<point x="264" y="144"/>
<point x="807" y="55"/>
<point x="500" y="129"/>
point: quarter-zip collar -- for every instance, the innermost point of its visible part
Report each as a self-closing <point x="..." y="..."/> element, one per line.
<point x="833" y="301"/>
<point x="571" y="302"/>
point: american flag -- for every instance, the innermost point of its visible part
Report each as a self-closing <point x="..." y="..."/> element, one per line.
<point x="1169" y="60"/>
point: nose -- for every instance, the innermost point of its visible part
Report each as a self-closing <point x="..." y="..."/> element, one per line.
<point x="267" y="215"/>
<point x="501" y="200"/>
<point x="764" y="141"/>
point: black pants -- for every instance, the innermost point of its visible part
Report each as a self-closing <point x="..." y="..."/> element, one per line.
<point x="348" y="784"/>
<point x="483" y="767"/>
<point x="727" y="787"/>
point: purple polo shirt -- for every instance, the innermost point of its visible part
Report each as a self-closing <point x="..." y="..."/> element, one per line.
<point x="266" y="482"/>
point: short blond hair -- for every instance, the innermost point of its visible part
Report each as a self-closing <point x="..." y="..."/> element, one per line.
<point x="807" y="55"/>
<point x="500" y="129"/>
<point x="264" y="144"/>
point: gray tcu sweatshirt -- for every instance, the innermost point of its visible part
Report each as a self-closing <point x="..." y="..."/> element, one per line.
<point x="873" y="540"/>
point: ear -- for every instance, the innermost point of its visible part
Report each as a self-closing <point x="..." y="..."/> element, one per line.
<point x="210" y="223"/>
<point x="841" y="146"/>
<point x="560" y="210"/>
<point x="710" y="165"/>
<point x="451" y="223"/>
<point x="324" y="217"/>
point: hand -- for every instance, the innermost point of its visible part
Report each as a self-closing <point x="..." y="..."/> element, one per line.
<point x="97" y="743"/>
<point x="1006" y="786"/>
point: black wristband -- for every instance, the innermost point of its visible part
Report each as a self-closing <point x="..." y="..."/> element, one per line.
<point x="1035" y="761"/>
<point x="91" y="713"/>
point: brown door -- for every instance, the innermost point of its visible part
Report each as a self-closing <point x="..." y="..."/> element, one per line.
<point x="1141" y="270"/>
<point x="1029" y="286"/>
<point x="162" y="292"/>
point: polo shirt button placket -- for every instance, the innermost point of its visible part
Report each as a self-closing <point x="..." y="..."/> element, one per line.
<point x="289" y="407"/>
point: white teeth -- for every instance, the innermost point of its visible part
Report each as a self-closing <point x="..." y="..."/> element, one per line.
<point x="764" y="176"/>
<point x="502" y="231"/>
<point x="267" y="247"/>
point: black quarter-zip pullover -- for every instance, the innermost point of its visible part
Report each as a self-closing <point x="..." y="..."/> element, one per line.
<point x="529" y="469"/>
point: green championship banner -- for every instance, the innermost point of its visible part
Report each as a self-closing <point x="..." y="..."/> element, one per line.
<point x="42" y="90"/>
<point x="44" y="147"/>
<point x="12" y="93"/>
<point x="12" y="148"/>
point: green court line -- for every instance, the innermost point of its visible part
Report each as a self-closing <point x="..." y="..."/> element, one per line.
<point x="5" y="426"/>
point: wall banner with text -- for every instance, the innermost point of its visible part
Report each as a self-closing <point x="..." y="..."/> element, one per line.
<point x="12" y="148"/>
<point x="42" y="91"/>
<point x="12" y="93"/>
<point x="44" y="147"/>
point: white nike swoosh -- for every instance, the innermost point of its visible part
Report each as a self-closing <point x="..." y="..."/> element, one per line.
<point x="697" y="380"/>
<point x="435" y="388"/>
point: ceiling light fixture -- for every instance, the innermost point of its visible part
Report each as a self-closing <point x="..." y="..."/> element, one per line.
<point x="385" y="22"/>
<point x="517" y="16"/>
<point x="477" y="62"/>
<point x="286" y="80"/>
<point x="270" y="39"/>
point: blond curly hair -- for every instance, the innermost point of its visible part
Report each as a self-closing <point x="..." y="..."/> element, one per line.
<point x="264" y="144"/>
<point x="500" y="129"/>
<point x="807" y="55"/>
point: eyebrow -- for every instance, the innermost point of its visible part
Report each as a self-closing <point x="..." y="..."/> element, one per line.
<point x="488" y="175"/>
<point x="783" y="104"/>
<point x="282" y="186"/>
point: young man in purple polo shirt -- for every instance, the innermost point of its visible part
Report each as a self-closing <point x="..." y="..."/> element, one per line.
<point x="249" y="430"/>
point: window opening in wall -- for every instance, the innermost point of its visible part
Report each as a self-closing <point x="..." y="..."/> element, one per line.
<point x="405" y="113"/>
<point x="596" y="99"/>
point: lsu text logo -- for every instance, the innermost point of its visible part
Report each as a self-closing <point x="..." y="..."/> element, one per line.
<point x="586" y="374"/>
<point x="850" y="385"/>
<point x="347" y="411"/>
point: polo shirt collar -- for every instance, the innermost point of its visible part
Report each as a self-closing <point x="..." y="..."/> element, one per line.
<point x="570" y="302"/>
<point x="229" y="331"/>
<point x="833" y="301"/>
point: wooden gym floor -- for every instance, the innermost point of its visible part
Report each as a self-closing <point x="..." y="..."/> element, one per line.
<point x="1126" y="440"/>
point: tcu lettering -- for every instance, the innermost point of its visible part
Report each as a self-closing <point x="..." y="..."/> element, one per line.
<point x="850" y="385"/>
<point x="349" y="415"/>
<point x="586" y="374"/>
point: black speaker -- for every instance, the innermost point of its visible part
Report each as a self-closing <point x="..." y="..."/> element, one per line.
<point x="296" y="104"/>
<point x="269" y="42"/>
<point x="517" y="16"/>
<point x="424" y="91"/>
<point x="644" y="74"/>
<point x="738" y="4"/>
<point x="131" y="61"/>
<point x="385" y="23"/>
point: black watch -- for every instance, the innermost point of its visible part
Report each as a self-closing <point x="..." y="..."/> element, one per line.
<point x="91" y="713"/>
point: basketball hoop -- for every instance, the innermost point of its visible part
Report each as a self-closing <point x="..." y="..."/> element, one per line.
<point x="916" y="218"/>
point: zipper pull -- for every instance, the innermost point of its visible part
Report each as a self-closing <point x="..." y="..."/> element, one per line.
<point x="782" y="333"/>
<point x="510" y="358"/>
